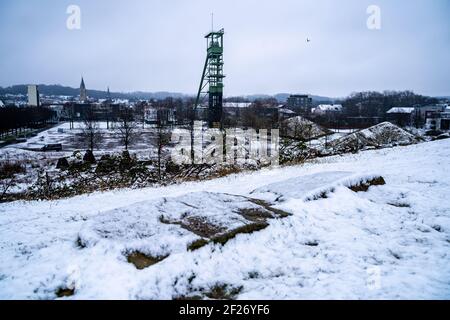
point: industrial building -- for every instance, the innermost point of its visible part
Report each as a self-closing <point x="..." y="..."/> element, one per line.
<point x="212" y="77"/>
<point x="401" y="116"/>
<point x="33" y="96"/>
<point x="439" y="121"/>
<point x="160" y="116"/>
<point x="300" y="103"/>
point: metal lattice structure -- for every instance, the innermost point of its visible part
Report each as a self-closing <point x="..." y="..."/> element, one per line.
<point x="212" y="77"/>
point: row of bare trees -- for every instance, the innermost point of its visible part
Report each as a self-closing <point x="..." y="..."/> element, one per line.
<point x="127" y="130"/>
<point x="15" y="119"/>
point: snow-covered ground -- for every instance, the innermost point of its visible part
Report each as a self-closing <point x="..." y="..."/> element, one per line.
<point x="70" y="139"/>
<point x="392" y="241"/>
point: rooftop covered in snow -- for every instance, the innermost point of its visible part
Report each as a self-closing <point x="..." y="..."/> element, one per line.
<point x="322" y="108"/>
<point x="236" y="104"/>
<point x="401" y="110"/>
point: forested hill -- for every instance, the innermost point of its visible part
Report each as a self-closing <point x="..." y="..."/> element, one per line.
<point x="59" y="90"/>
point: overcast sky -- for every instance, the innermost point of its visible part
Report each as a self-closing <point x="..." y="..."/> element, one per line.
<point x="158" y="45"/>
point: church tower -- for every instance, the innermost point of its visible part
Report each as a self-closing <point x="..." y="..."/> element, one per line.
<point x="83" y="94"/>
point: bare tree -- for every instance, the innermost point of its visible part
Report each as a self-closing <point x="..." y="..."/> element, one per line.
<point x="91" y="131"/>
<point x="8" y="176"/>
<point x="298" y="128"/>
<point x="162" y="139"/>
<point x="139" y="111"/>
<point x="126" y="128"/>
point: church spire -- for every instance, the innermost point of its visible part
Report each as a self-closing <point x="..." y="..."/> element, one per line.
<point x="83" y="94"/>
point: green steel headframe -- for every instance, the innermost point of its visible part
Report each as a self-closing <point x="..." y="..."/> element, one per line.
<point x="213" y="76"/>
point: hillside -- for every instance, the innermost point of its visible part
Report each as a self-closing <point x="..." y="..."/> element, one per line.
<point x="301" y="128"/>
<point x="381" y="135"/>
<point x="360" y="226"/>
<point x="58" y="90"/>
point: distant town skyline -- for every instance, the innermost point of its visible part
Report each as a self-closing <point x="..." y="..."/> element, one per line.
<point x="318" y="47"/>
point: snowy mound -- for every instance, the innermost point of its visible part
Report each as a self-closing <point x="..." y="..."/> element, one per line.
<point x="222" y="212"/>
<point x="301" y="128"/>
<point x="381" y="135"/>
<point x="310" y="186"/>
<point x="168" y="225"/>
<point x="135" y="227"/>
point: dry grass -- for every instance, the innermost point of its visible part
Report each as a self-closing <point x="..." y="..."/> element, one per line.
<point x="201" y="227"/>
<point x="142" y="261"/>
<point x="219" y="291"/>
<point x="65" y="292"/>
<point x="364" y="186"/>
<point x="225" y="237"/>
